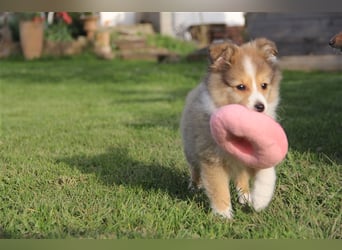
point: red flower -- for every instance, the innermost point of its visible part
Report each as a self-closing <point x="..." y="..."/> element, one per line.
<point x="65" y="16"/>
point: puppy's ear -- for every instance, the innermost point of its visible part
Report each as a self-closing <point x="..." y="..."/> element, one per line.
<point x="268" y="48"/>
<point x="220" y="55"/>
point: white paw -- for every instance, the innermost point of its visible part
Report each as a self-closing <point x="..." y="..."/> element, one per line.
<point x="228" y="213"/>
<point x="260" y="203"/>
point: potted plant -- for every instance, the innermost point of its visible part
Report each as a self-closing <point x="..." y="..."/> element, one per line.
<point x="58" y="38"/>
<point x="31" y="30"/>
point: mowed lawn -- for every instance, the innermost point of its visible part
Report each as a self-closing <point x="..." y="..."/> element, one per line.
<point x="92" y="149"/>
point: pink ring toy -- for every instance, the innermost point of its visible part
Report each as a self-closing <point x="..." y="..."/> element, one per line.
<point x="252" y="137"/>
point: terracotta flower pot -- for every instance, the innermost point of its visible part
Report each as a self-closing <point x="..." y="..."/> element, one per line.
<point x="31" y="39"/>
<point x="90" y="26"/>
<point x="103" y="38"/>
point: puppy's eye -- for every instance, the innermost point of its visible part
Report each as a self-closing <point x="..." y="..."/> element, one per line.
<point x="264" y="85"/>
<point x="241" y="87"/>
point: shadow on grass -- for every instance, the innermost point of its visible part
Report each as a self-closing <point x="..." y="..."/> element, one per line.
<point x="116" y="167"/>
<point x="311" y="113"/>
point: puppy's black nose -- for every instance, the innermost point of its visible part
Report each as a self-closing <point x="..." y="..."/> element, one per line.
<point x="332" y="42"/>
<point x="259" y="107"/>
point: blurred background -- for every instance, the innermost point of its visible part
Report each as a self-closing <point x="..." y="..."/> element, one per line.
<point x="302" y="38"/>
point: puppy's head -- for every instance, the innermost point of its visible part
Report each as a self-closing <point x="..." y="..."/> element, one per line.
<point x="246" y="74"/>
<point x="336" y="41"/>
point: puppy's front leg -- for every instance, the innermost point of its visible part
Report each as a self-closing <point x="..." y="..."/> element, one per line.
<point x="215" y="182"/>
<point x="242" y="178"/>
<point x="263" y="188"/>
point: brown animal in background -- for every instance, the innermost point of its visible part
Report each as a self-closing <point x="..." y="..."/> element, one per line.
<point x="336" y="41"/>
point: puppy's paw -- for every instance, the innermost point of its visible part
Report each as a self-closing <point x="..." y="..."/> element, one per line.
<point x="227" y="213"/>
<point x="245" y="198"/>
<point x="194" y="187"/>
<point x="259" y="202"/>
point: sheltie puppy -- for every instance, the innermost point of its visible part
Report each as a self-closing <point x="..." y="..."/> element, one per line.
<point x="248" y="75"/>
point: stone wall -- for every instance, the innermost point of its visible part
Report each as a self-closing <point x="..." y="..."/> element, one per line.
<point x="296" y="33"/>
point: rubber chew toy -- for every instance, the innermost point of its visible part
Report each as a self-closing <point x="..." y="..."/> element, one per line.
<point x="252" y="137"/>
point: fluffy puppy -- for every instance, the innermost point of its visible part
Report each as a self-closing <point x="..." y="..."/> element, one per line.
<point x="248" y="75"/>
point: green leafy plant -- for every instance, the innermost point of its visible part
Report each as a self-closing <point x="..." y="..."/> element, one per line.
<point x="59" y="30"/>
<point x="58" y="33"/>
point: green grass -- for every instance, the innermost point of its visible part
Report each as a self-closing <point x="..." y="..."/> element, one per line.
<point x="176" y="45"/>
<point x="91" y="149"/>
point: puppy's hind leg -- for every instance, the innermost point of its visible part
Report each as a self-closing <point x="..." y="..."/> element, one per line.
<point x="195" y="180"/>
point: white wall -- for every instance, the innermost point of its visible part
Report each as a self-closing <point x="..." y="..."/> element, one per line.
<point x="117" y="18"/>
<point x="183" y="20"/>
<point x="175" y="23"/>
<point x="195" y="18"/>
